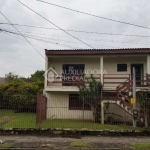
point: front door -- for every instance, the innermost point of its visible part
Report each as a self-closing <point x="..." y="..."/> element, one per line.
<point x="138" y="73"/>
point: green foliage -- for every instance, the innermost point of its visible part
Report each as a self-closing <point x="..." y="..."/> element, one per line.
<point x="38" y="78"/>
<point x="91" y="93"/>
<point x="11" y="77"/>
<point x="143" y="100"/>
<point x="142" y="97"/>
<point x="21" y="92"/>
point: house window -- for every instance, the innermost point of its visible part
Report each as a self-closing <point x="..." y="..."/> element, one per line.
<point x="77" y="103"/>
<point x="73" y="69"/>
<point x="72" y="74"/>
<point x="121" y="67"/>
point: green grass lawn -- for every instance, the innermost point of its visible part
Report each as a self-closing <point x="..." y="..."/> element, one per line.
<point x="4" y="145"/>
<point x="141" y="146"/>
<point x="9" y="119"/>
<point x="79" y="144"/>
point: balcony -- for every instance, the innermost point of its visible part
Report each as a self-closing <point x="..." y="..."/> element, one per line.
<point x="109" y="81"/>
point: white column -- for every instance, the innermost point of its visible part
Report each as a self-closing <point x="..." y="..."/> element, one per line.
<point x="101" y="68"/>
<point x="148" y="64"/>
<point x="46" y="68"/>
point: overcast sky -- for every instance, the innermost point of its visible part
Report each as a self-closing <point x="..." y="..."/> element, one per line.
<point x="17" y="56"/>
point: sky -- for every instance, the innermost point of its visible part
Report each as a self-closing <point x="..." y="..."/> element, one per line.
<point x="19" y="57"/>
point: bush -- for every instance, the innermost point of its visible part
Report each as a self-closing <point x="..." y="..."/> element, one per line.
<point x="21" y="93"/>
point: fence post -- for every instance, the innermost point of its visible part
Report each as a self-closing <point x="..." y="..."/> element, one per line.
<point x="83" y="112"/>
<point x="102" y="112"/>
<point x="40" y="109"/>
<point x="103" y="79"/>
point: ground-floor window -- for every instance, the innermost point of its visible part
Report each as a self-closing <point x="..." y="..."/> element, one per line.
<point x="76" y="102"/>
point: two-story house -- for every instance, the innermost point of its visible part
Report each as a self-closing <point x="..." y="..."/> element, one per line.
<point x="65" y="69"/>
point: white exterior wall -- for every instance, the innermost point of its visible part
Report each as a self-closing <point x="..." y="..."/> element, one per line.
<point x="58" y="108"/>
<point x="90" y="63"/>
<point x="58" y="102"/>
<point x="110" y="65"/>
<point x="93" y="63"/>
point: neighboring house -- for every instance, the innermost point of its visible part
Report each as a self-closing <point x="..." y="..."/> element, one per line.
<point x="113" y="67"/>
<point x="2" y="80"/>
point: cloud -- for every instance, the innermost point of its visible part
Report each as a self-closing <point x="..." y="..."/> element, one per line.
<point x="18" y="56"/>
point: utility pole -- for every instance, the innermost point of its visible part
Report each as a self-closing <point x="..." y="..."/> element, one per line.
<point x="134" y="97"/>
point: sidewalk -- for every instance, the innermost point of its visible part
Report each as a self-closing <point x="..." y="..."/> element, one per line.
<point x="60" y="143"/>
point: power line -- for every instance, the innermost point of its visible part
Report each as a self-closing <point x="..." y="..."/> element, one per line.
<point x="43" y="40"/>
<point x="58" y="27"/>
<point x="103" y="40"/>
<point x="10" y="34"/>
<point x="88" y="32"/>
<point x="94" y="15"/>
<point x="70" y="46"/>
<point x="23" y="36"/>
<point x="55" y="25"/>
<point x="19" y="38"/>
<point x="57" y="43"/>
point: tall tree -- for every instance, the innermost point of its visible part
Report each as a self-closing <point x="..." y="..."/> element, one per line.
<point x="90" y="91"/>
<point x="38" y="78"/>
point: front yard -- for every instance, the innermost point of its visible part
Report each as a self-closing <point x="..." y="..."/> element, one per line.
<point x="9" y="119"/>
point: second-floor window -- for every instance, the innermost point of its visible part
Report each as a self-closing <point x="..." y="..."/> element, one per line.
<point x="121" y="67"/>
<point x="72" y="74"/>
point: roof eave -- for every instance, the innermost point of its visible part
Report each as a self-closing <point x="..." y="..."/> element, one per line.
<point x="100" y="52"/>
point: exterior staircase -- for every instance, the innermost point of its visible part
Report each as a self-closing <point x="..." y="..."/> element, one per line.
<point x="120" y="96"/>
<point x="124" y="92"/>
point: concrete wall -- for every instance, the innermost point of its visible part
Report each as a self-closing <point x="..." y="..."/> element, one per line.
<point x="58" y="108"/>
<point x="118" y="113"/>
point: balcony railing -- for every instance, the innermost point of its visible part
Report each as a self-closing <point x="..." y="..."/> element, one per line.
<point x="114" y="79"/>
<point x="109" y="80"/>
<point x="72" y="80"/>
